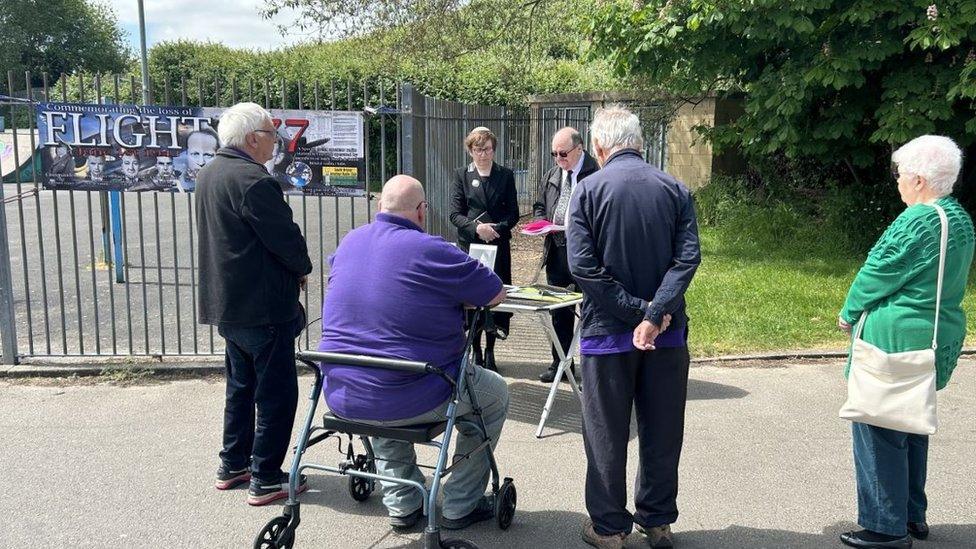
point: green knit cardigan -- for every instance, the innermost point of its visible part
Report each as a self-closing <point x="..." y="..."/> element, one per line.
<point x="896" y="286"/>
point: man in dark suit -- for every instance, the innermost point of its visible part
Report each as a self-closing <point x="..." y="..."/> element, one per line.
<point x="633" y="249"/>
<point x="572" y="165"/>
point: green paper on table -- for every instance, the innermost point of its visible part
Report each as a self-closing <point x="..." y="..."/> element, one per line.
<point x="542" y="292"/>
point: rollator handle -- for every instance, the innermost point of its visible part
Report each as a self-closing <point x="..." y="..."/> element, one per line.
<point x="411" y="366"/>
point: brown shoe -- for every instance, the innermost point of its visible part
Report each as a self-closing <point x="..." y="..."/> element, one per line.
<point x="657" y="536"/>
<point x="613" y="541"/>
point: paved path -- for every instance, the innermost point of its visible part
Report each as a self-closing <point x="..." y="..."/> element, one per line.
<point x="766" y="464"/>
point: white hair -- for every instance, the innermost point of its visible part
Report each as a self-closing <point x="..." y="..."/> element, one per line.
<point x="934" y="157"/>
<point x="240" y="120"/>
<point x="615" y="127"/>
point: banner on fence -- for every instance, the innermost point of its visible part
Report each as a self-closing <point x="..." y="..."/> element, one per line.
<point x="154" y="148"/>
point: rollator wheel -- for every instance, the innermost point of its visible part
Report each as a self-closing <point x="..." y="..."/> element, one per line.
<point x="360" y="488"/>
<point x="275" y="535"/>
<point x="505" y="502"/>
<point x="458" y="544"/>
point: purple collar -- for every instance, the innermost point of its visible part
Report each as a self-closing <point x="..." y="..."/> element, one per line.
<point x="397" y="220"/>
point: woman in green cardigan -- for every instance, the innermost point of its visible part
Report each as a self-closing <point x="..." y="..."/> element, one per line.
<point x="897" y="286"/>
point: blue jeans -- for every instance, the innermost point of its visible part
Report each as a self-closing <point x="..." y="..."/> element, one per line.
<point x="890" y="467"/>
<point x="259" y="366"/>
<point x="466" y="484"/>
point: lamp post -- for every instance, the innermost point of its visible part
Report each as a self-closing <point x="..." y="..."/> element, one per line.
<point x="145" y="63"/>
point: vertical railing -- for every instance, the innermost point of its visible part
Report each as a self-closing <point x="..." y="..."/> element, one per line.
<point x="59" y="293"/>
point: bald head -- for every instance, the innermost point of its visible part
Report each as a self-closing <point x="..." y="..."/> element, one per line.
<point x="403" y="196"/>
<point x="568" y="142"/>
<point x="400" y="194"/>
<point x="568" y="136"/>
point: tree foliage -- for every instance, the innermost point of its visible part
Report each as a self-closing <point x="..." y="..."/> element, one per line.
<point x="453" y="34"/>
<point x="485" y="78"/>
<point x="835" y="80"/>
<point x="59" y="36"/>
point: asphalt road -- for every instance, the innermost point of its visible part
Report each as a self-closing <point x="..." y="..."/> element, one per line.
<point x="766" y="463"/>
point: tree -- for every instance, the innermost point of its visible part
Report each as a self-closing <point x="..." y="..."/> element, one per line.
<point x="836" y="81"/>
<point x="59" y="36"/>
<point x="401" y="33"/>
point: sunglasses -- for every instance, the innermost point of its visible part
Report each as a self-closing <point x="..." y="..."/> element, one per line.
<point x="562" y="154"/>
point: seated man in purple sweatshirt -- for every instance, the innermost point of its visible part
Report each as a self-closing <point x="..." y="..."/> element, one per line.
<point x="395" y="291"/>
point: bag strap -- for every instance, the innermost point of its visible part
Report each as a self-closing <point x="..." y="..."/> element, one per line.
<point x="943" y="245"/>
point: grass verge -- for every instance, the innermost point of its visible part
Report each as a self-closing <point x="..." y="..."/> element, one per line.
<point x="757" y="293"/>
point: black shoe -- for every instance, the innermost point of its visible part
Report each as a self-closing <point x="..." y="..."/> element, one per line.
<point x="866" y="539"/>
<point x="407" y="522"/>
<point x="484" y="511"/>
<point x="490" y="360"/>
<point x="550" y="374"/>
<point x="264" y="492"/>
<point x="479" y="358"/>
<point x="918" y="530"/>
<point x="227" y="479"/>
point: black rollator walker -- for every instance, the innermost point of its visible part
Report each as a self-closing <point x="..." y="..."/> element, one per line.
<point x="279" y="533"/>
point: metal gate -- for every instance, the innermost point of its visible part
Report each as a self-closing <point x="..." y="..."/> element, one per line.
<point x="439" y="127"/>
<point x="58" y="291"/>
<point x="59" y="295"/>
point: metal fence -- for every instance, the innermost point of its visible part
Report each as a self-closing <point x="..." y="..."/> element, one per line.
<point x="58" y="293"/>
<point x="553" y="117"/>
<point x="442" y="126"/>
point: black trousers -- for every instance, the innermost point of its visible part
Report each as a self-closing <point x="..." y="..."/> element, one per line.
<point x="261" y="396"/>
<point x="557" y="273"/>
<point x="656" y="384"/>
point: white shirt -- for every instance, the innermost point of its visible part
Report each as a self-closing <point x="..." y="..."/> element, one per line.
<point x="576" y="171"/>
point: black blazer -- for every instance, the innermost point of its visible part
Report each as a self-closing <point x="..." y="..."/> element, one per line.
<point x="551" y="185"/>
<point x="251" y="253"/>
<point x="496" y="198"/>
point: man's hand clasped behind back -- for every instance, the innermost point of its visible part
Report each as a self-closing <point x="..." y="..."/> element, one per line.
<point x="646" y="332"/>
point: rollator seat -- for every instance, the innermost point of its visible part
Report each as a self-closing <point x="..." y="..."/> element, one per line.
<point x="412" y="433"/>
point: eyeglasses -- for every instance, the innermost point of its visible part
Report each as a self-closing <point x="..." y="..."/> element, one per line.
<point x="562" y="154"/>
<point x="423" y="204"/>
<point x="485" y="150"/>
<point x="265" y="131"/>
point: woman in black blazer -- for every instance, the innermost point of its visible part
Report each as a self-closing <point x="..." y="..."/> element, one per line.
<point x="484" y="208"/>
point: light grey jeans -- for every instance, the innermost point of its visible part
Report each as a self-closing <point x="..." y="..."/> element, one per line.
<point x="466" y="484"/>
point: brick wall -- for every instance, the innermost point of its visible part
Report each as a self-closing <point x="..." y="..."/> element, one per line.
<point x="689" y="158"/>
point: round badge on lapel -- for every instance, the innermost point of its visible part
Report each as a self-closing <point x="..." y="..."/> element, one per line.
<point x="476" y="183"/>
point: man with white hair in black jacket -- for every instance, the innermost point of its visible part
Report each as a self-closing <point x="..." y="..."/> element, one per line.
<point x="253" y="264"/>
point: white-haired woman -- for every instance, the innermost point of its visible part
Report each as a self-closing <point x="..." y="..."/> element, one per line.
<point x="897" y="287"/>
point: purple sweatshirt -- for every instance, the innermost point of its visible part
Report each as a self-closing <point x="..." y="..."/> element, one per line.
<point x="395" y="291"/>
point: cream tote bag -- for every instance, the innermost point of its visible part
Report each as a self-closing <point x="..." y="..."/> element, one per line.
<point x="896" y="390"/>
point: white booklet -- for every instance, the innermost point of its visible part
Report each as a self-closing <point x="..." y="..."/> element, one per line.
<point x="485" y="253"/>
